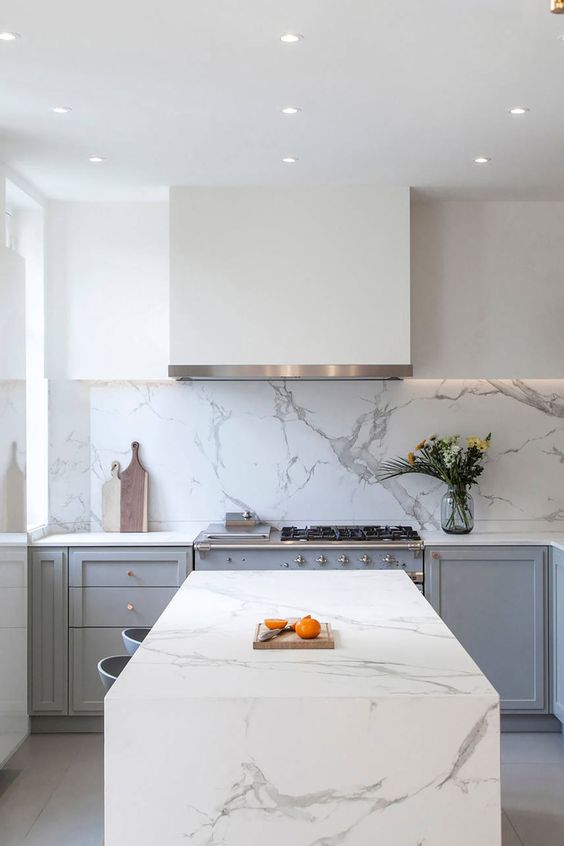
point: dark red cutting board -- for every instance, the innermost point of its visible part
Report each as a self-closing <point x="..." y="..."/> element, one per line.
<point x="134" y="494"/>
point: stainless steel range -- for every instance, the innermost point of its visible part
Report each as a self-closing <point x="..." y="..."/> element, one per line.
<point x="259" y="547"/>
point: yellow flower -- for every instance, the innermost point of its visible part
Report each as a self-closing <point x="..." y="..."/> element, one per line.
<point x="480" y="443"/>
<point x="410" y="458"/>
<point x="421" y="444"/>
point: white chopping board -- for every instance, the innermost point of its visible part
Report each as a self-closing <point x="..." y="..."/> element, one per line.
<point x="111" y="501"/>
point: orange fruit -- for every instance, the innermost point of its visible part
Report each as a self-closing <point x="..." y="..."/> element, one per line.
<point x="275" y="624"/>
<point x="307" y="628"/>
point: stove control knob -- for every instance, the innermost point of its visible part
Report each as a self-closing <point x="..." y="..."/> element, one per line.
<point x="390" y="559"/>
<point x="365" y="559"/>
<point x="299" y="560"/>
<point x="321" y="560"/>
<point x="285" y="564"/>
<point x="342" y="559"/>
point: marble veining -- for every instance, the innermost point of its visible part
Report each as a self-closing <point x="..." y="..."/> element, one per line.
<point x="305" y="451"/>
<point x="393" y="737"/>
<point x="201" y="642"/>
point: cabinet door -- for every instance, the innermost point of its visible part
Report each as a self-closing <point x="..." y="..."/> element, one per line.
<point x="48" y="640"/>
<point x="86" y="648"/>
<point x="494" y="599"/>
<point x="557" y="632"/>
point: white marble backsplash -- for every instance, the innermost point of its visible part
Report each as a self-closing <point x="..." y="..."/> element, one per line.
<point x="304" y="451"/>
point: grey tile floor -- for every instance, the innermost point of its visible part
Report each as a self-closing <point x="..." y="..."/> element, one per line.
<point x="51" y="791"/>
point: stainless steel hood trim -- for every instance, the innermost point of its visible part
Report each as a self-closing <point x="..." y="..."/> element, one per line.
<point x="289" y="371"/>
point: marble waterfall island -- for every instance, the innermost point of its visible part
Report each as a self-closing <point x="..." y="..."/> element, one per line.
<point x="391" y="738"/>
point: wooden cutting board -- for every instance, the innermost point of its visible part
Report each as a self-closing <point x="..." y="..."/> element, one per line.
<point x="111" y="501"/>
<point x="290" y="640"/>
<point x="134" y="494"/>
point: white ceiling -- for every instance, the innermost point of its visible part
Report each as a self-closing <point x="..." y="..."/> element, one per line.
<point x="178" y="92"/>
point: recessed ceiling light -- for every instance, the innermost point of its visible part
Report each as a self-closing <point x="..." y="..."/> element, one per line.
<point x="291" y="110"/>
<point x="518" y="110"/>
<point x="9" y="36"/>
<point x="482" y="160"/>
<point x="96" y="159"/>
<point x="291" y="37"/>
<point x="290" y="159"/>
<point x="61" y="110"/>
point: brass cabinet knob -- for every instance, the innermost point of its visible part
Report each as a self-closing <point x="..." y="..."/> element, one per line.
<point x="130" y="606"/>
<point x="436" y="556"/>
<point x="130" y="573"/>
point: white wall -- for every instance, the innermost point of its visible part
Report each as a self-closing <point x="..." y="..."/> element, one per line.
<point x="290" y="276"/>
<point x="107" y="290"/>
<point x="488" y="290"/>
<point x="12" y="315"/>
<point x="3" y="224"/>
<point x="29" y="242"/>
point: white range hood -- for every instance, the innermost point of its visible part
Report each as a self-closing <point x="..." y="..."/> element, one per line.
<point x="294" y="282"/>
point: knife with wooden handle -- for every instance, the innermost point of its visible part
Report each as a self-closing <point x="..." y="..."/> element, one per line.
<point x="274" y="633"/>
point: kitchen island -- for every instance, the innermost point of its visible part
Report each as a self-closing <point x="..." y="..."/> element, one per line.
<point x="390" y="738"/>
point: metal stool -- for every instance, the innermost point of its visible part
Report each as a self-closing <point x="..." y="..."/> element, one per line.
<point x="109" y="668"/>
<point x="133" y="638"/>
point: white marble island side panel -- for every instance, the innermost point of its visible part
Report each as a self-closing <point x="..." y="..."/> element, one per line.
<point x="393" y="735"/>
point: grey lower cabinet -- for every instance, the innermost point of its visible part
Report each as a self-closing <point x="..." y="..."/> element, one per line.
<point x="557" y="631"/>
<point x="494" y="600"/>
<point x="86" y="648"/>
<point x="82" y="599"/>
<point x="48" y="632"/>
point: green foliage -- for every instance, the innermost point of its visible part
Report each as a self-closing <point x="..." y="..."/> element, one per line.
<point x="443" y="458"/>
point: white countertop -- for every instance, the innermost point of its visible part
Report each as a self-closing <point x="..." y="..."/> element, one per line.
<point x="389" y="641"/>
<point x="181" y="538"/>
<point x="13" y="539"/>
<point x="555" y="539"/>
<point x="187" y="536"/>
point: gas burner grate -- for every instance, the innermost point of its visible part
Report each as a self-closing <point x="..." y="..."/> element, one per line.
<point x="376" y="534"/>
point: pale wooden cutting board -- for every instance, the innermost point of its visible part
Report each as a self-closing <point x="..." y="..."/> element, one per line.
<point x="134" y="494"/>
<point x="111" y="501"/>
<point x="290" y="640"/>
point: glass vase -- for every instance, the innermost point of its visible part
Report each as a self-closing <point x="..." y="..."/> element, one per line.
<point x="457" y="511"/>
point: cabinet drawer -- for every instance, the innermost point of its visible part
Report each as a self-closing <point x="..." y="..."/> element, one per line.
<point x="86" y="648"/>
<point x="135" y="567"/>
<point x="107" y="607"/>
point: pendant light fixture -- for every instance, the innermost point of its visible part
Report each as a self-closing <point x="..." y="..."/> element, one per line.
<point x="557" y="6"/>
